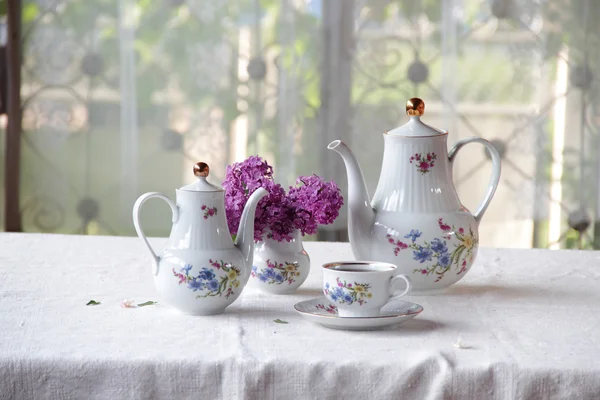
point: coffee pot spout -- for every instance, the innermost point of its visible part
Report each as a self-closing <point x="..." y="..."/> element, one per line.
<point x="361" y="215"/>
<point x="244" y="240"/>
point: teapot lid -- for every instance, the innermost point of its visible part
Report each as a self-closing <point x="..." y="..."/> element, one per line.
<point x="201" y="170"/>
<point x="415" y="108"/>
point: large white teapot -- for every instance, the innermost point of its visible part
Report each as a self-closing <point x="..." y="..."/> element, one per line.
<point x="415" y="219"/>
<point x="201" y="271"/>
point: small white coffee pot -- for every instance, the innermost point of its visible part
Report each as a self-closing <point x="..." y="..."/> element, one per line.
<point x="201" y="271"/>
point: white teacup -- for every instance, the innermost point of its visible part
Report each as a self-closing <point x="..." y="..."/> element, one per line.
<point x="361" y="288"/>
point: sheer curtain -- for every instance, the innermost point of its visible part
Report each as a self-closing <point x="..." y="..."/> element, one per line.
<point x="123" y="96"/>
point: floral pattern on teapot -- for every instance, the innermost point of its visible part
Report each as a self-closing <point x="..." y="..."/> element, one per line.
<point x="414" y="190"/>
<point x="208" y="211"/>
<point x="424" y="162"/>
<point x="436" y="253"/>
<point x="277" y="273"/>
<point x="347" y="293"/>
<point x="209" y="283"/>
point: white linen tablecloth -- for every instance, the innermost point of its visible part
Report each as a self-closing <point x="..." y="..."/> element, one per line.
<point x="528" y="322"/>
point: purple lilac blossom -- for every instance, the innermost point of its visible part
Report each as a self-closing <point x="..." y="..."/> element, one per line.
<point x="241" y="180"/>
<point x="315" y="202"/>
<point x="278" y="214"/>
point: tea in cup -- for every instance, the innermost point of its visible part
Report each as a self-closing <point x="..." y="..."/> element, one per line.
<point x="361" y="288"/>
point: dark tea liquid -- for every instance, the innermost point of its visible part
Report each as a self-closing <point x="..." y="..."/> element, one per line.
<point x="357" y="267"/>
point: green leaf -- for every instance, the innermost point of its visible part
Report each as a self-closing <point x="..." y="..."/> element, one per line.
<point x="30" y="12"/>
<point x="93" y="303"/>
<point x="280" y="321"/>
<point x="148" y="303"/>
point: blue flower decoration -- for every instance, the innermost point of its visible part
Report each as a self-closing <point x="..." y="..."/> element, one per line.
<point x="413" y="235"/>
<point x="263" y="277"/>
<point x="444" y="260"/>
<point x="206" y="274"/>
<point x="279" y="278"/>
<point x="270" y="273"/>
<point x="422" y="254"/>
<point x="195" y="284"/>
<point x="213" y="285"/>
<point x="438" y="246"/>
<point x="348" y="299"/>
<point x="186" y="269"/>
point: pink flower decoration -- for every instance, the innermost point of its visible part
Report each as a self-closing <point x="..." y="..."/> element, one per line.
<point x="443" y="226"/>
<point x="424" y="162"/>
<point x="128" y="304"/>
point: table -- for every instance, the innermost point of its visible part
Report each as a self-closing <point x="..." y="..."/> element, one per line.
<point x="528" y="322"/>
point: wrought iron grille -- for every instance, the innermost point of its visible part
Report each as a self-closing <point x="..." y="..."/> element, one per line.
<point x="120" y="96"/>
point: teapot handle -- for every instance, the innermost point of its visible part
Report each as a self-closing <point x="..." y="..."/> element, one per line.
<point x="494" y="179"/>
<point x="136" y="221"/>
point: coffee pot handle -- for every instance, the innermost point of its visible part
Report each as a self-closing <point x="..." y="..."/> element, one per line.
<point x="138" y="228"/>
<point x="494" y="179"/>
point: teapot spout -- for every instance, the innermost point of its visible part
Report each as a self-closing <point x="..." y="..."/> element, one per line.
<point x="245" y="234"/>
<point x="360" y="213"/>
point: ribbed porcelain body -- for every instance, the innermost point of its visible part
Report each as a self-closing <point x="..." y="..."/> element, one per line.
<point x="403" y="187"/>
<point x="410" y="198"/>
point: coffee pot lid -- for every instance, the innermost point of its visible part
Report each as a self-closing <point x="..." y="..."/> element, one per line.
<point x="415" y="108"/>
<point x="201" y="171"/>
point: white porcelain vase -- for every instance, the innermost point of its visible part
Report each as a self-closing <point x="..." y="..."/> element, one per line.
<point x="280" y="267"/>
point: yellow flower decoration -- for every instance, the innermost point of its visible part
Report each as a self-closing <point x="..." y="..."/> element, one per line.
<point x="468" y="242"/>
<point x="290" y="267"/>
<point x="359" y="289"/>
<point x="232" y="274"/>
<point x="369" y="295"/>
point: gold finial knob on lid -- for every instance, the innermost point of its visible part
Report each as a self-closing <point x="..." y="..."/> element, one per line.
<point x="415" y="107"/>
<point x="201" y="169"/>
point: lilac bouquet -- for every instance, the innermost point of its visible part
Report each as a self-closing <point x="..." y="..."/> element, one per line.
<point x="312" y="202"/>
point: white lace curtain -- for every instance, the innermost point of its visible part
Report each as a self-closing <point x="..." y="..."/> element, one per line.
<point x="123" y="96"/>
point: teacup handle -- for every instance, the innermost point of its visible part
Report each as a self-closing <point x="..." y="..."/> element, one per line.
<point x="138" y="228"/>
<point x="393" y="287"/>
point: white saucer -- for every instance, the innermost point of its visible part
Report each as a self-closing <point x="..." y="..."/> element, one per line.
<point x="323" y="312"/>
